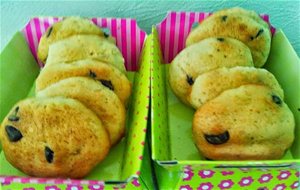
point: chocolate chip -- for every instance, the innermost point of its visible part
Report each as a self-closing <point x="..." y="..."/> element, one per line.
<point x="108" y="84"/>
<point x="92" y="74"/>
<point x="259" y="32"/>
<point x="189" y="80"/>
<point x="49" y="154"/>
<point x="224" y="18"/>
<point x="14" y="116"/>
<point x="220" y="39"/>
<point x="49" y="31"/>
<point x="13" y="133"/>
<point x="276" y="100"/>
<point x="105" y="35"/>
<point x="217" y="139"/>
<point x="17" y="109"/>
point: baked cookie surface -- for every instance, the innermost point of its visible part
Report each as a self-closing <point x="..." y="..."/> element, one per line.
<point x="247" y="123"/>
<point x="204" y="56"/>
<point x="67" y="27"/>
<point x="95" y="96"/>
<point x="248" y="13"/>
<point x="107" y="74"/>
<point x="209" y="85"/>
<point x="80" y="47"/>
<point x="236" y="24"/>
<point x="53" y="137"/>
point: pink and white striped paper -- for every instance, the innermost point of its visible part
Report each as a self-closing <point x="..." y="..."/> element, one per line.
<point x="174" y="29"/>
<point x="129" y="37"/>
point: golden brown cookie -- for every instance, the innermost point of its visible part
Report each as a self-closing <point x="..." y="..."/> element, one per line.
<point x="53" y="137"/>
<point x="79" y="47"/>
<point x="211" y="84"/>
<point x="69" y="26"/>
<point x="239" y="25"/>
<point x="249" y="13"/>
<point x="95" y="96"/>
<point x="247" y="123"/>
<point x="107" y="74"/>
<point x="207" y="55"/>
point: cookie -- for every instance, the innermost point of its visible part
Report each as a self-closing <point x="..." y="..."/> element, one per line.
<point x="241" y="11"/>
<point x="53" y="137"/>
<point x="79" y="47"/>
<point x="247" y="123"/>
<point x="107" y="74"/>
<point x="209" y="85"/>
<point x="227" y="23"/>
<point x="207" y="55"/>
<point x="69" y="26"/>
<point x="95" y="96"/>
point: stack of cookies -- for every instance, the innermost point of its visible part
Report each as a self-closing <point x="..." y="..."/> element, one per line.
<point x="240" y="112"/>
<point x="79" y="111"/>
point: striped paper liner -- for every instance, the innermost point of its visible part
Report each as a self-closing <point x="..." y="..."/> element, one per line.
<point x="129" y="37"/>
<point x="174" y="29"/>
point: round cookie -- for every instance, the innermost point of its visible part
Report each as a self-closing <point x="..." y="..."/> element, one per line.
<point x="234" y="24"/>
<point x="247" y="123"/>
<point x="241" y="11"/>
<point x="79" y="47"/>
<point x="67" y="27"/>
<point x="107" y="74"/>
<point x="207" y="55"/>
<point x="102" y="101"/>
<point x="53" y="137"/>
<point x="209" y="85"/>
